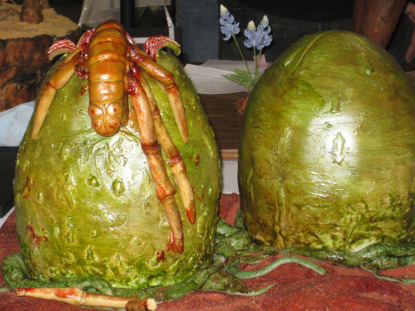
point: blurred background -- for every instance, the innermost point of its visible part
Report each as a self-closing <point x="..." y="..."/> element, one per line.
<point x="195" y="23"/>
<point x="148" y="13"/>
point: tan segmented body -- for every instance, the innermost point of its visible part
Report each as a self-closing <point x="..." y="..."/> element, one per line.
<point x="107" y="68"/>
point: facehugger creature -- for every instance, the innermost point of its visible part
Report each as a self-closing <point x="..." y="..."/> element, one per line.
<point x="114" y="66"/>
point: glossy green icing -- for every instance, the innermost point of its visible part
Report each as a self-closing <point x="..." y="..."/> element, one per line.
<point x="86" y="204"/>
<point x="327" y="149"/>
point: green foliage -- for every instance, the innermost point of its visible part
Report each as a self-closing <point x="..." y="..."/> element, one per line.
<point x="244" y="78"/>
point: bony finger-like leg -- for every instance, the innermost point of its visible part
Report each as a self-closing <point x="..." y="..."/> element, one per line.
<point x="166" y="80"/>
<point x="175" y="160"/>
<point x="164" y="188"/>
<point x="144" y="61"/>
<point x="77" y="297"/>
<point x="175" y="99"/>
<point x="57" y="81"/>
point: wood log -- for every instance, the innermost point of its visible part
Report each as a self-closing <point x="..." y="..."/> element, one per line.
<point x="31" y="12"/>
<point x="23" y="65"/>
<point x="377" y="19"/>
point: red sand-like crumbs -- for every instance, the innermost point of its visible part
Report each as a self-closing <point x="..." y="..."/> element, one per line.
<point x="297" y="288"/>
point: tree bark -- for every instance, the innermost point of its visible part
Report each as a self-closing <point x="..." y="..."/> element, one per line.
<point x="23" y="66"/>
<point x="44" y="4"/>
<point x="32" y="11"/>
<point x="377" y="19"/>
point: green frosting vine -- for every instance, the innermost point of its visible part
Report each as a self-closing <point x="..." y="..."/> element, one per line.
<point x="380" y="256"/>
<point x="233" y="247"/>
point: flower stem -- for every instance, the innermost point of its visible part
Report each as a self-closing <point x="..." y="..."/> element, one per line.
<point x="257" y="59"/>
<point x="242" y="55"/>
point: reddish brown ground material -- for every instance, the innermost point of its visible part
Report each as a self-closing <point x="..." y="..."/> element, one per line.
<point x="297" y="288"/>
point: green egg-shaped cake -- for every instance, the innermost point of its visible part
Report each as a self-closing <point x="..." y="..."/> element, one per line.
<point x="86" y="204"/>
<point x="327" y="148"/>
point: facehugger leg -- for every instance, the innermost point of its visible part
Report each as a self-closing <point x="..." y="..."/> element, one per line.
<point x="77" y="297"/>
<point x="164" y="188"/>
<point x="57" y="81"/>
<point x="166" y="79"/>
<point x="175" y="160"/>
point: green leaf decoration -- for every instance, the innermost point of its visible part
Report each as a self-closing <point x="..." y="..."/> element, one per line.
<point x="244" y="78"/>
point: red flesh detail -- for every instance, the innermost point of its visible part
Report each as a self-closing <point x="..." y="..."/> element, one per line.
<point x="172" y="247"/>
<point x="36" y="239"/>
<point x="153" y="44"/>
<point x="61" y="47"/>
<point x="66" y="293"/>
<point x="84" y="89"/>
<point x="69" y="292"/>
<point x="26" y="190"/>
<point x="202" y="197"/>
<point x="174" y="160"/>
<point x="85" y="38"/>
<point x="196" y="160"/>
<point x="79" y="68"/>
<point x="161" y="256"/>
<point x="191" y="215"/>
